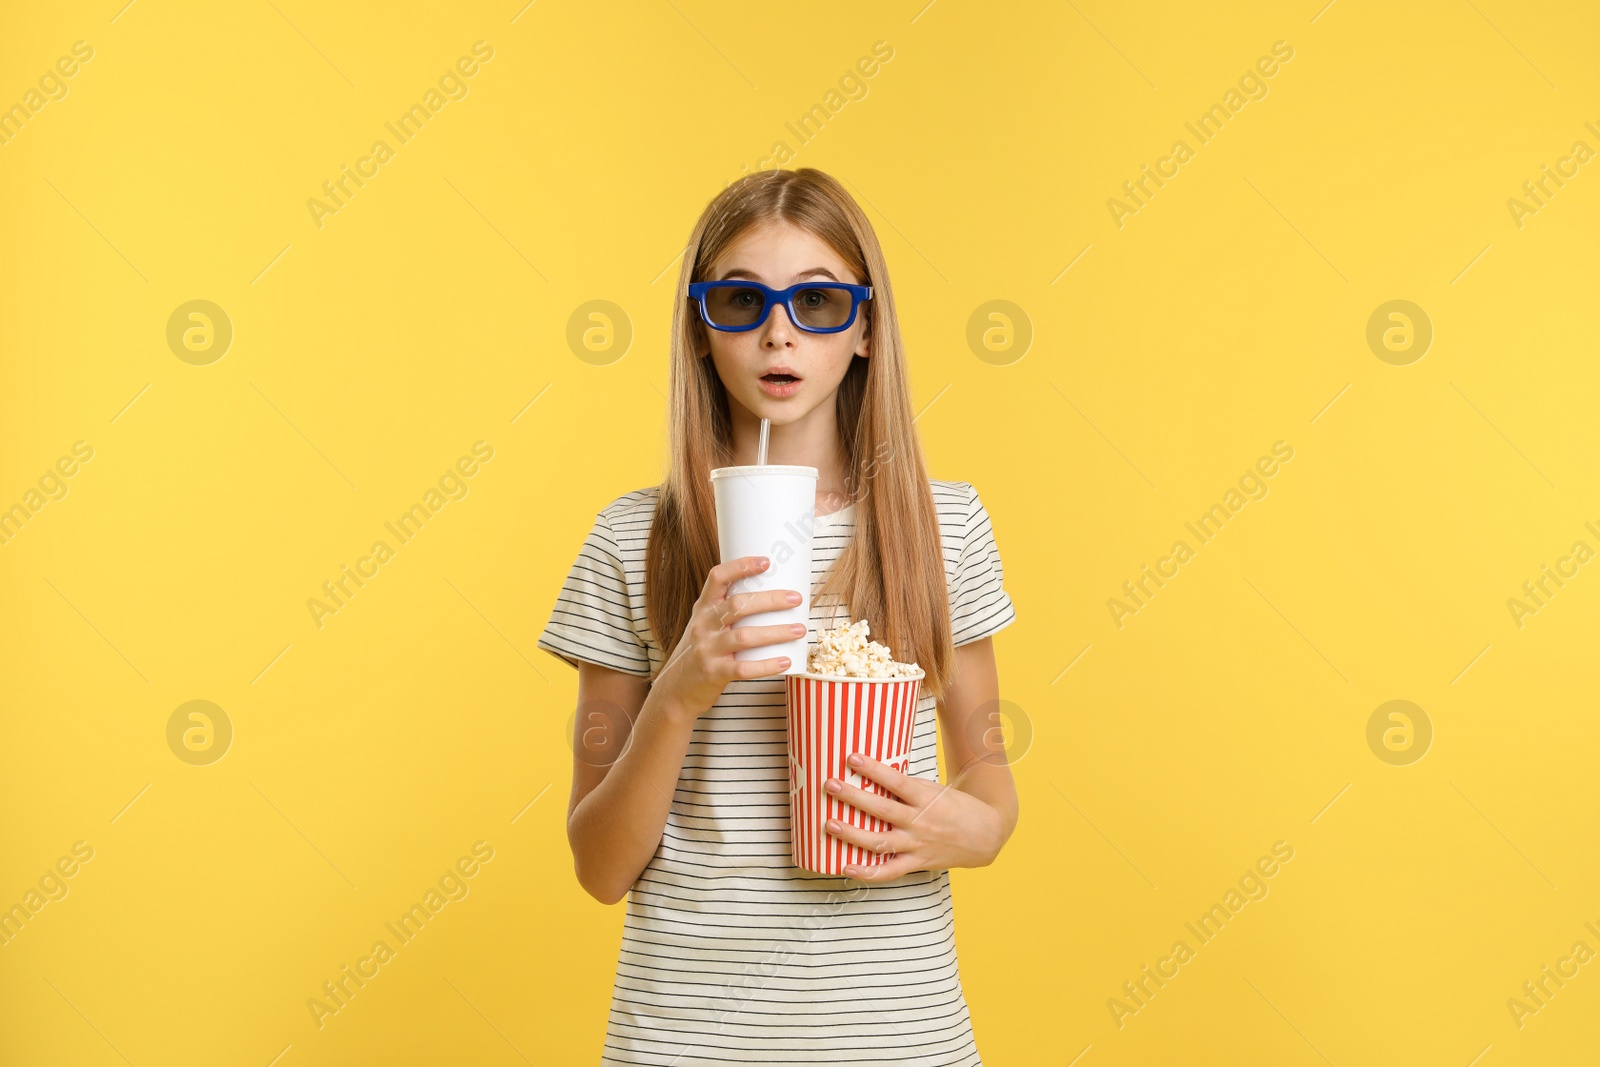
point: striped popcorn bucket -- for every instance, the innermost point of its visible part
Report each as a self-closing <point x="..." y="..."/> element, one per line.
<point x="830" y="718"/>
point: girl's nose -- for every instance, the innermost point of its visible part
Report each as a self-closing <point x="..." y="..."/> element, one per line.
<point x="779" y="328"/>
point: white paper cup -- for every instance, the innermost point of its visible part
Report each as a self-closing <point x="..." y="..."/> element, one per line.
<point x="830" y="718"/>
<point x="770" y="511"/>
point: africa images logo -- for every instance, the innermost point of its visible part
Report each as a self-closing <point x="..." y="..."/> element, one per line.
<point x="452" y="85"/>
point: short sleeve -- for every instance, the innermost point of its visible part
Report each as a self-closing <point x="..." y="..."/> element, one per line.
<point x="979" y="603"/>
<point x="593" y="617"/>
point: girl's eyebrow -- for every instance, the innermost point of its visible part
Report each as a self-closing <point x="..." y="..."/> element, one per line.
<point x="740" y="272"/>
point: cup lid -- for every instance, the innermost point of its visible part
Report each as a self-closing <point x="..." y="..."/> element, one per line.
<point x="759" y="469"/>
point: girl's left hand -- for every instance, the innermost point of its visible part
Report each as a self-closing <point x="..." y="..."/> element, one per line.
<point x="935" y="826"/>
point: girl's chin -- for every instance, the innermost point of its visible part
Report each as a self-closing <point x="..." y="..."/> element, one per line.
<point x="780" y="410"/>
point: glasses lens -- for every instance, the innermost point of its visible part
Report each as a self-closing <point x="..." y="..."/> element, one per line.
<point x="729" y="305"/>
<point x="822" y="307"/>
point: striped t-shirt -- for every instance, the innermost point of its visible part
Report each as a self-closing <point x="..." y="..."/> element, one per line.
<point x="731" y="955"/>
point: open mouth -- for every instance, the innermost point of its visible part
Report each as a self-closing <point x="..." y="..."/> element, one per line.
<point x="780" y="385"/>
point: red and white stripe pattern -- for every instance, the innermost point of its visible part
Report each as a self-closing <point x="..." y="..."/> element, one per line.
<point x="830" y="718"/>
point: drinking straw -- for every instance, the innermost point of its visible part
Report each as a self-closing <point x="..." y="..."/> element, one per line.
<point x="761" y="449"/>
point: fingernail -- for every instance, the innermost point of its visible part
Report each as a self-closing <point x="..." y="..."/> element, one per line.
<point x="784" y="660"/>
<point x="854" y="760"/>
<point x="798" y="628"/>
<point x="793" y="598"/>
<point x="834" y="785"/>
<point x="833" y="824"/>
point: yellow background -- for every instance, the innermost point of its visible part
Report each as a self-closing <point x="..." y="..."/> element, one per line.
<point x="370" y="353"/>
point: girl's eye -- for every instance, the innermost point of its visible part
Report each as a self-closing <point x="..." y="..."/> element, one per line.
<point x="746" y="297"/>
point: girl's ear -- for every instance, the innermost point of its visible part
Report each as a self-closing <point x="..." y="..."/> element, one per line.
<point x="864" y="346"/>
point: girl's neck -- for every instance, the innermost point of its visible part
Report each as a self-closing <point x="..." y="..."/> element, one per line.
<point x="812" y="441"/>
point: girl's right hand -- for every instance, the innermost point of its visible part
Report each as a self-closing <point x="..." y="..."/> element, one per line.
<point x="702" y="664"/>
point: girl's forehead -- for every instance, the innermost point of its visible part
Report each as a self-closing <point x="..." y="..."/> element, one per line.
<point x="777" y="252"/>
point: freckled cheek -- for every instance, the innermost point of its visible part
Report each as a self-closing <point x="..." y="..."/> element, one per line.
<point x="734" y="360"/>
<point x="832" y="362"/>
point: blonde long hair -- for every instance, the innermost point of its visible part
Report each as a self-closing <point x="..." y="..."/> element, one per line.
<point x="892" y="570"/>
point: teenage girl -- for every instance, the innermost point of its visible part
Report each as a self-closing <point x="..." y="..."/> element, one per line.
<point x="680" y="785"/>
